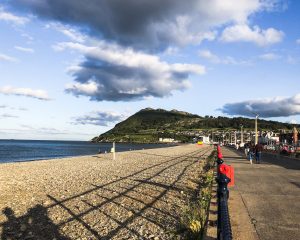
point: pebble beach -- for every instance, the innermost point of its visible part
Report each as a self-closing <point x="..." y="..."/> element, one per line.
<point x="139" y="195"/>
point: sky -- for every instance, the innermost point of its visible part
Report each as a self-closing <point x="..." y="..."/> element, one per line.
<point x="71" y="70"/>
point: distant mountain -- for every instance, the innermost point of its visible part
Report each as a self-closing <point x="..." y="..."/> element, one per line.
<point x="148" y="125"/>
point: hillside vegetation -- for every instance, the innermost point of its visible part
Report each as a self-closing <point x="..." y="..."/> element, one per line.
<point x="148" y="125"/>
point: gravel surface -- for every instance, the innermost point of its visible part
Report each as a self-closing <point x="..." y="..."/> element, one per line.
<point x="140" y="195"/>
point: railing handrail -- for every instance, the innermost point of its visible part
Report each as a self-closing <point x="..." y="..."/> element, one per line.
<point x="223" y="224"/>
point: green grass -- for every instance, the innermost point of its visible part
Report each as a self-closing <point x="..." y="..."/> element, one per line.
<point x="195" y="214"/>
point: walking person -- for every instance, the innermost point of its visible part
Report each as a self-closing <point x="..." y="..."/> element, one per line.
<point x="258" y="150"/>
<point x="251" y="153"/>
<point x="247" y="149"/>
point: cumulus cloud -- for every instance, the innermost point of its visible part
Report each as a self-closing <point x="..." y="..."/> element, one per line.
<point x="123" y="67"/>
<point x="114" y="73"/>
<point x="9" y="17"/>
<point x="7" y="58"/>
<point x="27" y="92"/>
<point x="244" y="33"/>
<point x="269" y="56"/>
<point x="274" y="107"/>
<point x="218" y="60"/>
<point x="148" y="24"/>
<point x="23" y="49"/>
<point x="99" y="118"/>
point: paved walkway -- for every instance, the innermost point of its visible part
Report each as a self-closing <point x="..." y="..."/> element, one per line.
<point x="265" y="201"/>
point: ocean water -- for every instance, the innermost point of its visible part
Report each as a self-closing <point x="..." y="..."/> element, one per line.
<point x="29" y="150"/>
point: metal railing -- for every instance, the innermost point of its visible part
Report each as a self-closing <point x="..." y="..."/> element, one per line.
<point x="224" y="227"/>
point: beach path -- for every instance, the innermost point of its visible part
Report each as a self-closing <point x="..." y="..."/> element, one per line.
<point x="140" y="195"/>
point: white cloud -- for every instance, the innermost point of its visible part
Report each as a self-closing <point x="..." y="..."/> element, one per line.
<point x="27" y="36"/>
<point x="44" y="132"/>
<point x="68" y="31"/>
<point x="88" y="89"/>
<point x="99" y="118"/>
<point x="171" y="51"/>
<point x="23" y="49"/>
<point x="9" y="17"/>
<point x="114" y="54"/>
<point x="209" y="55"/>
<point x="115" y="73"/>
<point x="293" y="121"/>
<point x="269" y="56"/>
<point x="218" y="60"/>
<point x="271" y="107"/>
<point x="243" y="33"/>
<point x="7" y="58"/>
<point x="28" y="92"/>
<point x="5" y="115"/>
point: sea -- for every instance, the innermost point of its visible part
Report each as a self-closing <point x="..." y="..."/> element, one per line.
<point x="32" y="150"/>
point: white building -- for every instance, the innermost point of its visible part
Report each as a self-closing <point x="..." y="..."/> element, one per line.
<point x="204" y="139"/>
<point x="166" y="140"/>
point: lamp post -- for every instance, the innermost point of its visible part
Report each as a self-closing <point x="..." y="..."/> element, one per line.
<point x="256" y="135"/>
<point x="295" y="138"/>
<point x="242" y="135"/>
<point x="234" y="138"/>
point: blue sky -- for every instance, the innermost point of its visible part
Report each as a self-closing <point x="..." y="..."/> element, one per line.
<point x="73" y="69"/>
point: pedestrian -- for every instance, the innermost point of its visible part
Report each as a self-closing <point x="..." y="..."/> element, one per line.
<point x="247" y="149"/>
<point x="258" y="150"/>
<point x="251" y="153"/>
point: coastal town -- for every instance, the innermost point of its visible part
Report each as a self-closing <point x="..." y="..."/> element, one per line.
<point x="282" y="141"/>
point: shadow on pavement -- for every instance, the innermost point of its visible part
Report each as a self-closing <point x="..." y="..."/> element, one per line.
<point x="281" y="161"/>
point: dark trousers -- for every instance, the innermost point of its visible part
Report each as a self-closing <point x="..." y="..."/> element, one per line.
<point x="258" y="157"/>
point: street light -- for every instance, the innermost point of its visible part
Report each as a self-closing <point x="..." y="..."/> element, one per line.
<point x="256" y="135"/>
<point x="234" y="138"/>
<point x="242" y="135"/>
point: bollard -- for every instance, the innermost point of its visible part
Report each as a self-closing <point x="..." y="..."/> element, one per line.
<point x="228" y="171"/>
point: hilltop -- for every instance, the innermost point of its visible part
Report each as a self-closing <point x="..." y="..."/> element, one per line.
<point x="148" y="125"/>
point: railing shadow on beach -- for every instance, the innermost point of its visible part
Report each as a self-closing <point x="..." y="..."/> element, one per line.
<point x="130" y="193"/>
<point x="35" y="224"/>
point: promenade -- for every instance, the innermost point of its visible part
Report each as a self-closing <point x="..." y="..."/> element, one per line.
<point x="265" y="201"/>
<point x="140" y="195"/>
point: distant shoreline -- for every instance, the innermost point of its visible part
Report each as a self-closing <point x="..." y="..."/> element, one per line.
<point x="16" y="151"/>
